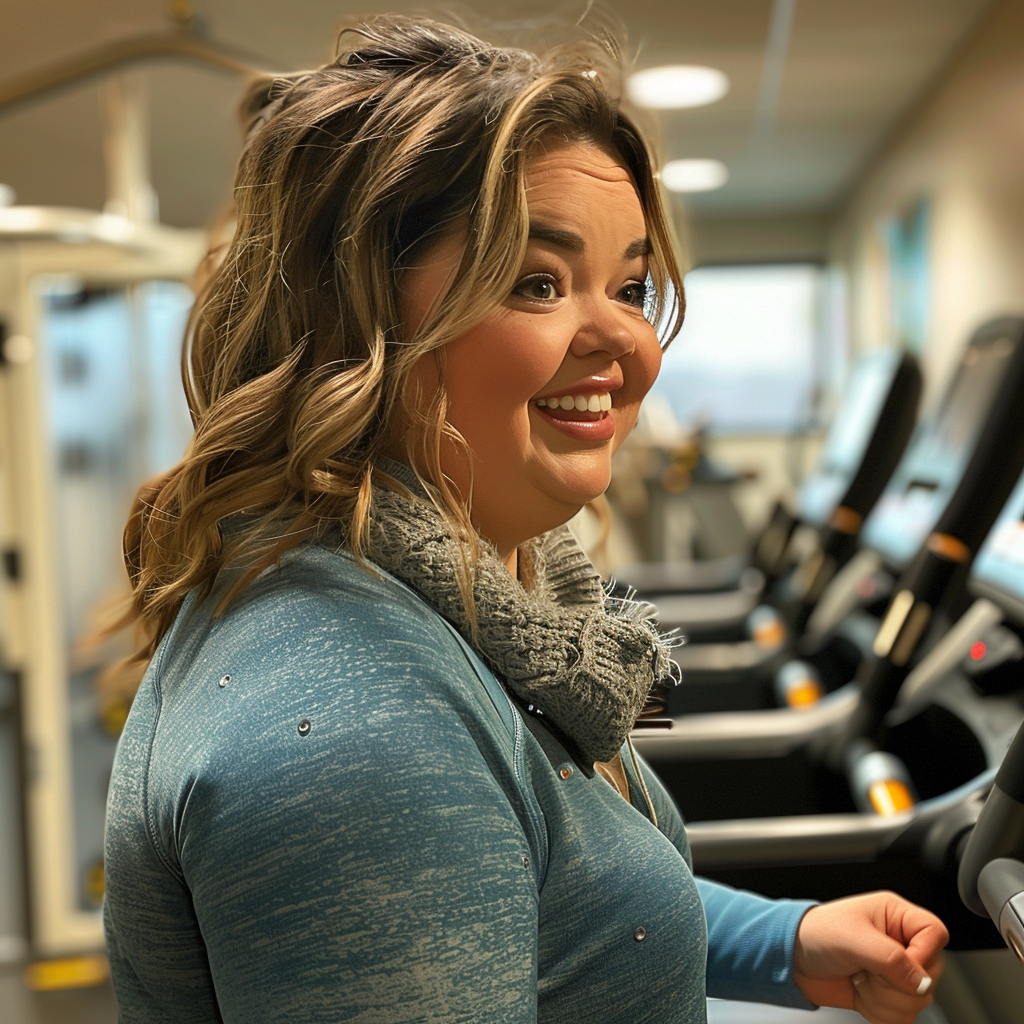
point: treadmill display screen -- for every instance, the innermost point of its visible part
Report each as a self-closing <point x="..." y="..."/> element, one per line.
<point x="937" y="457"/>
<point x="848" y="437"/>
<point x="1000" y="563"/>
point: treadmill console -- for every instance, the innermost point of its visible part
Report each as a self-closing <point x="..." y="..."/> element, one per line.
<point x="998" y="571"/>
<point x="848" y="437"/>
<point x="938" y="454"/>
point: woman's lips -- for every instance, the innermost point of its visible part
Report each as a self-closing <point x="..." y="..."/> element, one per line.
<point x="581" y="425"/>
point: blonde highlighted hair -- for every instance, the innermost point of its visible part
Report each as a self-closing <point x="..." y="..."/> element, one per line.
<point x="295" y="358"/>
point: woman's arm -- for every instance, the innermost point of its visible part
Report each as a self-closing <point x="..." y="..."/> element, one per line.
<point x="870" y="953"/>
<point x="369" y="865"/>
<point x="750" y="945"/>
<point x="381" y="876"/>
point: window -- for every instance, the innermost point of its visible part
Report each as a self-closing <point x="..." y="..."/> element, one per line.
<point x="747" y="357"/>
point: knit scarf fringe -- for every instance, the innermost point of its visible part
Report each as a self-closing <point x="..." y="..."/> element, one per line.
<point x="557" y="640"/>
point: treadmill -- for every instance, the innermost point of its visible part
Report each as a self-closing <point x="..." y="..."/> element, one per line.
<point x="843" y="621"/>
<point x="766" y="812"/>
<point x="928" y="475"/>
<point x="868" y="434"/>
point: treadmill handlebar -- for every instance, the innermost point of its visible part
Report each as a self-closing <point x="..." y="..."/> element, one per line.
<point x="1001" y="888"/>
<point x="934" y="576"/>
<point x="946" y="556"/>
<point x="999" y="832"/>
<point x="920" y="591"/>
<point x="892" y="433"/>
<point x="833" y="551"/>
<point x="1001" y="885"/>
<point x="838" y="539"/>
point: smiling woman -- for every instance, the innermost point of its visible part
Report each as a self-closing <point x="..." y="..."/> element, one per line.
<point x="545" y="388"/>
<point x="379" y="766"/>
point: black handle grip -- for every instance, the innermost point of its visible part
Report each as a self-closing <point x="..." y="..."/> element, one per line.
<point x="840" y="548"/>
<point x="1000" y="828"/>
<point x="770" y="552"/>
<point x="922" y="589"/>
<point x="833" y="551"/>
<point x="892" y="431"/>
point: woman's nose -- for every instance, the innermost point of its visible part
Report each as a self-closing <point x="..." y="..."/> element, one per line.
<point x="603" y="327"/>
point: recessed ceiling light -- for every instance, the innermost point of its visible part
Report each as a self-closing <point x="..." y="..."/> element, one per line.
<point x="677" y="85"/>
<point x="694" y="175"/>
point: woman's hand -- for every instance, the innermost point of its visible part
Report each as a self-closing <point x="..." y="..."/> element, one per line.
<point x="877" y="954"/>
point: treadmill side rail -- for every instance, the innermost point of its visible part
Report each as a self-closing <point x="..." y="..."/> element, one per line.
<point x="747" y="734"/>
<point x="812" y="838"/>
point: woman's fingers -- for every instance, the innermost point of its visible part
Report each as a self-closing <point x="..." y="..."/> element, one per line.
<point x="910" y="957"/>
<point x="879" y="1002"/>
<point x="898" y="967"/>
<point x="922" y="932"/>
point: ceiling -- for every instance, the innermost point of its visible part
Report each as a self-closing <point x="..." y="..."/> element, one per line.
<point x="843" y="75"/>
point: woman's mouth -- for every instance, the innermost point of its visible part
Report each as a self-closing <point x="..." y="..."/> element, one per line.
<point x="599" y="402"/>
<point x="585" y="417"/>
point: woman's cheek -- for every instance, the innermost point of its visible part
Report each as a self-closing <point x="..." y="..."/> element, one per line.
<point x="640" y="371"/>
<point x="649" y="352"/>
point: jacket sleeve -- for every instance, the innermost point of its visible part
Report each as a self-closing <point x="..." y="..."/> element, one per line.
<point x="750" y="945"/>
<point x="381" y="876"/>
<point x="342" y="833"/>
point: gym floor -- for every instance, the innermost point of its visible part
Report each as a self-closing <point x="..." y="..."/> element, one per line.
<point x="73" y="1006"/>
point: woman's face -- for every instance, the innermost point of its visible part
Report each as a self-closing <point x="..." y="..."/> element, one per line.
<point x="547" y="387"/>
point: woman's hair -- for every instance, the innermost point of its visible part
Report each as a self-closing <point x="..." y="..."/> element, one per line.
<point x="296" y="358"/>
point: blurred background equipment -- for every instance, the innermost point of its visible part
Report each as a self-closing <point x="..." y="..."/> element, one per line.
<point x="93" y="308"/>
<point x="847" y="186"/>
<point x="832" y="802"/>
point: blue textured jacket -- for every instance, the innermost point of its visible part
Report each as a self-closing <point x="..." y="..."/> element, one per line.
<point x="324" y="808"/>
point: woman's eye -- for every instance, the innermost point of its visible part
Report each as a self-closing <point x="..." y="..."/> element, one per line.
<point x="634" y="294"/>
<point x="540" y="288"/>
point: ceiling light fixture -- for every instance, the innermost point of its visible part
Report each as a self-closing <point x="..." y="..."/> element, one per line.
<point x="694" y="175"/>
<point x="677" y="85"/>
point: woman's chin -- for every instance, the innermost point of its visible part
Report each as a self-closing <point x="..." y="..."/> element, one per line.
<point x="578" y="491"/>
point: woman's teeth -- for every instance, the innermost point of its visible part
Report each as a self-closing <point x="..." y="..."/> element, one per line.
<point x="581" y="403"/>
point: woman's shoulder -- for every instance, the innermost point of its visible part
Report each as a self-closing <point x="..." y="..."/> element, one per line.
<point x="318" y="606"/>
<point x="322" y="695"/>
<point x="314" y="583"/>
<point x="324" y="639"/>
<point x="317" y="654"/>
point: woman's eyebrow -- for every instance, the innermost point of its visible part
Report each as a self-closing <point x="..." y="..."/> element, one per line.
<point x="558" y="236"/>
<point x="575" y="243"/>
<point x="641" y="247"/>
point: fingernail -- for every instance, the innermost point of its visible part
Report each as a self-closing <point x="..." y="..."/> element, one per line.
<point x="926" y="983"/>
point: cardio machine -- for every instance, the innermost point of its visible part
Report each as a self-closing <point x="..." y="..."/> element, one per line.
<point x="774" y="809"/>
<point x="840" y="608"/>
<point x="868" y="435"/>
<point x="869" y="431"/>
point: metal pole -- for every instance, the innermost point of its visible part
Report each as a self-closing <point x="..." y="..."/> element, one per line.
<point x="126" y="150"/>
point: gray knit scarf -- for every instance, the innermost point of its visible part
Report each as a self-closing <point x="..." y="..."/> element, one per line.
<point x="584" y="660"/>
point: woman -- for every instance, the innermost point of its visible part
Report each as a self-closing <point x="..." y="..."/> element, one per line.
<point x="375" y="769"/>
